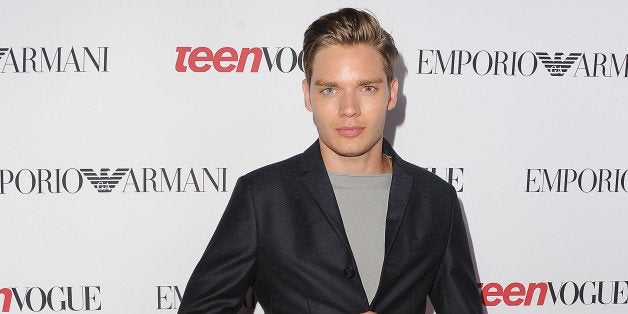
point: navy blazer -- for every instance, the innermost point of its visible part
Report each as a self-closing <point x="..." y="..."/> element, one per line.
<point x="282" y="234"/>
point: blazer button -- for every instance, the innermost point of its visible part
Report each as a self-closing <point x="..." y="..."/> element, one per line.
<point x="349" y="272"/>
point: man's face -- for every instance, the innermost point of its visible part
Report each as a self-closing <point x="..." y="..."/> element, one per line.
<point x="349" y="95"/>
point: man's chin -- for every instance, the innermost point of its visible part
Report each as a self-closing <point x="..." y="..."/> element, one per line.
<point x="351" y="151"/>
<point x="350" y="154"/>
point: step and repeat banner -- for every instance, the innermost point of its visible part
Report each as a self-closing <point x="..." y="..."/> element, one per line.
<point x="125" y="125"/>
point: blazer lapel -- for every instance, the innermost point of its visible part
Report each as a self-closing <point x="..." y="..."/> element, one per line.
<point x="317" y="184"/>
<point x="398" y="197"/>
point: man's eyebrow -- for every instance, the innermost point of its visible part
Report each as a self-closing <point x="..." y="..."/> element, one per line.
<point x="370" y="81"/>
<point x="359" y="83"/>
<point x="325" y="83"/>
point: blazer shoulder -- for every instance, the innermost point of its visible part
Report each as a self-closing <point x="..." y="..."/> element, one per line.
<point x="426" y="179"/>
<point x="273" y="173"/>
<point x="423" y="179"/>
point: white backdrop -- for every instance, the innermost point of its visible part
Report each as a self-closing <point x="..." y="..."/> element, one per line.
<point x="503" y="137"/>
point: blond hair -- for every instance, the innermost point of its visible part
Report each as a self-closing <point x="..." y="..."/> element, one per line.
<point x="348" y="27"/>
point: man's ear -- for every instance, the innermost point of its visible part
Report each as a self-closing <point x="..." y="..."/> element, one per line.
<point x="306" y="95"/>
<point x="394" y="87"/>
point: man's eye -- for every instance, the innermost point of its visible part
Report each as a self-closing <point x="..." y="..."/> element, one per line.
<point x="369" y="88"/>
<point x="328" y="91"/>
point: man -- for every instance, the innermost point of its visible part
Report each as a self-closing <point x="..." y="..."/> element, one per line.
<point x="347" y="226"/>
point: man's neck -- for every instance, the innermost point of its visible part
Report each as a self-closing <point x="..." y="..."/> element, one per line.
<point x="372" y="162"/>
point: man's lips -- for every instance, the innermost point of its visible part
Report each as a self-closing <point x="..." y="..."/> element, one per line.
<point x="350" y="131"/>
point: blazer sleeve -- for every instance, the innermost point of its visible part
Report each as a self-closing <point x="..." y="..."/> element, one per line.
<point x="227" y="268"/>
<point x="455" y="290"/>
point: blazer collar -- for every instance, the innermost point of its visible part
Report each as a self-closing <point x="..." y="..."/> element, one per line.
<point x="318" y="185"/>
<point x="400" y="189"/>
<point x="316" y="181"/>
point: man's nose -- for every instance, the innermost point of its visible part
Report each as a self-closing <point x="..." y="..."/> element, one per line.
<point x="349" y="105"/>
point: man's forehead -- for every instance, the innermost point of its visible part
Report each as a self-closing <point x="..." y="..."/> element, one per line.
<point x="337" y="49"/>
<point x="359" y="61"/>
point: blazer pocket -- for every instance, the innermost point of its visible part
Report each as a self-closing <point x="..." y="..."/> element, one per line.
<point x="426" y="243"/>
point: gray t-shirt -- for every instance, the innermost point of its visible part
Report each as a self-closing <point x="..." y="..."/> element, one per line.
<point x="363" y="204"/>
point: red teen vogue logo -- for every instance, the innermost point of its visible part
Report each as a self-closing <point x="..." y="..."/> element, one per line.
<point x="554" y="293"/>
<point x="229" y="59"/>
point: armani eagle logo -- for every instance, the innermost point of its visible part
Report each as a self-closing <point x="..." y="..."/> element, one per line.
<point x="3" y="51"/>
<point x="557" y="66"/>
<point x="104" y="182"/>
